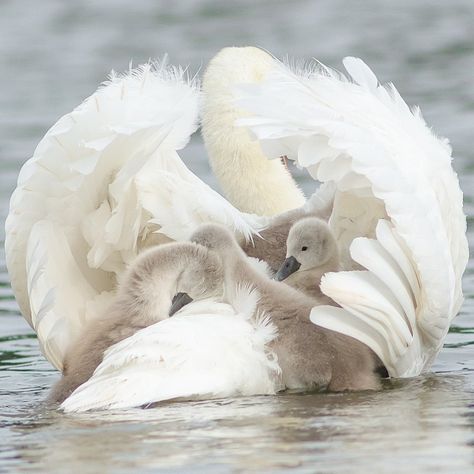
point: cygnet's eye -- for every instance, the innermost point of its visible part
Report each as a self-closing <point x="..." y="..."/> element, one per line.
<point x="304" y="248"/>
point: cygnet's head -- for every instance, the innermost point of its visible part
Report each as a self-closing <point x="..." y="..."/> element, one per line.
<point x="310" y="245"/>
<point x="206" y="279"/>
<point x="176" y="273"/>
<point x="202" y="278"/>
<point x="215" y="237"/>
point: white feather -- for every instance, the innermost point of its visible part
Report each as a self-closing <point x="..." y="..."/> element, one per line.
<point x="105" y="182"/>
<point x="395" y="186"/>
<point x="206" y="350"/>
<point x="49" y="259"/>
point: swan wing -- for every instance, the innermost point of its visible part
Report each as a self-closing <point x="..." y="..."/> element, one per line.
<point x="206" y="350"/>
<point x="397" y="207"/>
<point x="105" y="182"/>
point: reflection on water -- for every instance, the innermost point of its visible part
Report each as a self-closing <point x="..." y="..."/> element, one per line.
<point x="52" y="57"/>
<point x="399" y="426"/>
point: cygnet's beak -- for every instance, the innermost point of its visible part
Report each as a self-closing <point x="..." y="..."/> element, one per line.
<point x="179" y="300"/>
<point x="289" y="266"/>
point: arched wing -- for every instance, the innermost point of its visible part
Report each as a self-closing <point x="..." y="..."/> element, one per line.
<point x="397" y="210"/>
<point x="104" y="182"/>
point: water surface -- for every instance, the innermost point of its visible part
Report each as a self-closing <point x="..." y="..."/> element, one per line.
<point x="53" y="54"/>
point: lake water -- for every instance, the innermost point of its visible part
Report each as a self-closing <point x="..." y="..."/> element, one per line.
<point x="53" y="54"/>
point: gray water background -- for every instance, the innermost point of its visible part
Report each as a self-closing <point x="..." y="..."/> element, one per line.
<point x="53" y="54"/>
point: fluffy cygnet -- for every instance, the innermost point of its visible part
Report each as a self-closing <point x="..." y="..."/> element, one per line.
<point x="311" y="251"/>
<point x="269" y="245"/>
<point x="310" y="356"/>
<point x="157" y="284"/>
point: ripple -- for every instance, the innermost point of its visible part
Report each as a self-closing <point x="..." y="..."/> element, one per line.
<point x="424" y="424"/>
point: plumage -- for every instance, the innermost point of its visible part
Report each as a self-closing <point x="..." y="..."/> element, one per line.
<point x="310" y="356"/>
<point x="106" y="182"/>
<point x="207" y="350"/>
<point x="395" y="187"/>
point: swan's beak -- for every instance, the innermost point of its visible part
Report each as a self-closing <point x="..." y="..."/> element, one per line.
<point x="179" y="300"/>
<point x="289" y="266"/>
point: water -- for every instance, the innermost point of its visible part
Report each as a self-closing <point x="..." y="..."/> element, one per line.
<point x="53" y="54"/>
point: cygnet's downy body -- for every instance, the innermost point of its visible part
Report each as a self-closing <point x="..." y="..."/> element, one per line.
<point x="311" y="251"/>
<point x="153" y="287"/>
<point x="311" y="357"/>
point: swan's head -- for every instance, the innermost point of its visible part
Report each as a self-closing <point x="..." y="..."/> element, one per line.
<point x="310" y="245"/>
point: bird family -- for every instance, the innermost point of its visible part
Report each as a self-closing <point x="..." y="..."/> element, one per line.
<point x="144" y="284"/>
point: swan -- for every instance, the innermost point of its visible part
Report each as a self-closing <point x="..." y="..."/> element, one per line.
<point x="106" y="182"/>
<point x="144" y="296"/>
<point x="311" y="251"/>
<point x="309" y="356"/>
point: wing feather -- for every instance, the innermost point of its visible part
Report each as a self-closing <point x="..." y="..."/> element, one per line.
<point x="207" y="350"/>
<point x="395" y="188"/>
<point x="56" y="287"/>
<point x="105" y="182"/>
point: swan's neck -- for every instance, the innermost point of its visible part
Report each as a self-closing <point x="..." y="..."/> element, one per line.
<point x="251" y="181"/>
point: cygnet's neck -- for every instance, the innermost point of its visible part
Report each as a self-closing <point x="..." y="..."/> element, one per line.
<point x="308" y="281"/>
<point x="251" y="181"/>
<point x="148" y="287"/>
<point x="238" y="271"/>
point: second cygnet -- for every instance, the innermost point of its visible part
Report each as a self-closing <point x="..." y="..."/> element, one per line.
<point x="311" y="251"/>
<point x="310" y="356"/>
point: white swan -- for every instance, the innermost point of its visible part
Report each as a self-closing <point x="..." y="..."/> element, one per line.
<point x="106" y="182"/>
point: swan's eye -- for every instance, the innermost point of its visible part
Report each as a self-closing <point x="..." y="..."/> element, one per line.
<point x="304" y="248"/>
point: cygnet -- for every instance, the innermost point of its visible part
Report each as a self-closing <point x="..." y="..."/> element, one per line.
<point x="310" y="356"/>
<point x="157" y="284"/>
<point x="311" y="251"/>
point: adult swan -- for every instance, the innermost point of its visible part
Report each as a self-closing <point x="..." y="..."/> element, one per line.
<point x="106" y="181"/>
